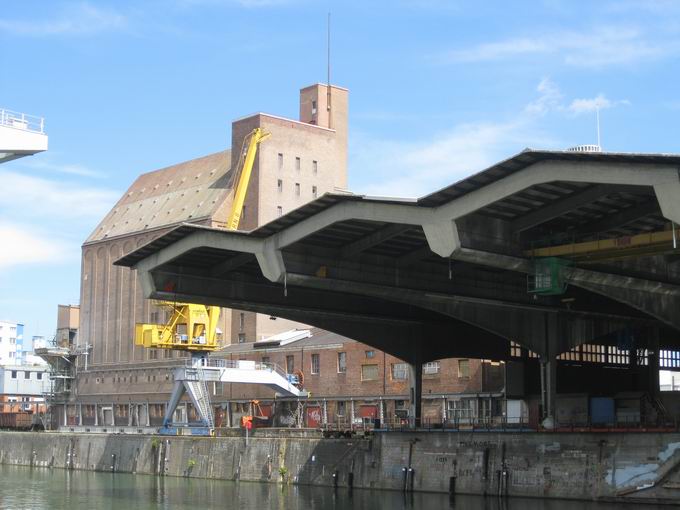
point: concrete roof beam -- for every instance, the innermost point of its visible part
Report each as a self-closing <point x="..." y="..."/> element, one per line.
<point x="442" y="236"/>
<point x="668" y="195"/>
<point x="550" y="171"/>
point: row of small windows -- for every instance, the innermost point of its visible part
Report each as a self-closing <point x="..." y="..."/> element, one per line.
<point x="131" y="378"/>
<point x="11" y="340"/>
<point x="609" y="354"/>
<point x="27" y="375"/>
<point x="298" y="164"/>
<point x="279" y="187"/>
<point x="169" y="183"/>
<point x="369" y="372"/>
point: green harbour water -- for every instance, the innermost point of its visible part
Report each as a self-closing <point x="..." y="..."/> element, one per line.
<point x="43" y="488"/>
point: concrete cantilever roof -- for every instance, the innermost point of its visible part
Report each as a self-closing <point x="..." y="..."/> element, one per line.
<point x="388" y="255"/>
<point x="484" y="191"/>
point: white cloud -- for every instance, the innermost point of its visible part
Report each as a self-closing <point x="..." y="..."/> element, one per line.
<point x="20" y="245"/>
<point x="549" y="98"/>
<point x="416" y="168"/>
<point x="600" y="102"/>
<point x="76" y="19"/>
<point x="30" y="196"/>
<point x="251" y="4"/>
<point x="600" y="47"/>
<point x="45" y="164"/>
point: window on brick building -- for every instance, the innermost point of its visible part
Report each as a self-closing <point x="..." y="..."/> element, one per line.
<point x="153" y="354"/>
<point x="241" y="338"/>
<point x="369" y="372"/>
<point x="463" y="368"/>
<point x="297" y="188"/>
<point x="370" y="354"/>
<point x="462" y="409"/>
<point x="241" y="321"/>
<point x="290" y="364"/>
<point x="279" y="211"/>
<point x="342" y="362"/>
<point x="280" y="161"/>
<point x="342" y="407"/>
<point x="431" y="368"/>
<point x="265" y="359"/>
<point x="314" y="192"/>
<point x="315" y="167"/>
<point x="315" y="363"/>
<point x="297" y="164"/>
<point x="279" y="185"/>
<point x="399" y="371"/>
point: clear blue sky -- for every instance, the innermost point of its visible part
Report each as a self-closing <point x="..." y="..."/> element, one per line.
<point x="439" y="89"/>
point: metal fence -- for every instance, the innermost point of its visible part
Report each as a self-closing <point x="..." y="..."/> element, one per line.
<point x="22" y="121"/>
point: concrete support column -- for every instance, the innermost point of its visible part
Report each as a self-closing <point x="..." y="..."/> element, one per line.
<point x="416" y="392"/>
<point x="80" y="414"/>
<point x="548" y="390"/>
<point x="96" y="415"/>
<point x="549" y="368"/>
<point x="653" y="356"/>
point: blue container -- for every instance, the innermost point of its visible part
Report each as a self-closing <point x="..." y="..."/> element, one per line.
<point x="602" y="411"/>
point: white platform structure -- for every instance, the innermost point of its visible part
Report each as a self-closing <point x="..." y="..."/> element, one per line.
<point x="20" y="135"/>
<point x="194" y="378"/>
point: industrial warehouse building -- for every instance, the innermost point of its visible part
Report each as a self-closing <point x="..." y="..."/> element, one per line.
<point x="119" y="382"/>
<point x="481" y="378"/>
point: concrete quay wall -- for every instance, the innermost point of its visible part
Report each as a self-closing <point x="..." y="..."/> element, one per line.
<point x="633" y="467"/>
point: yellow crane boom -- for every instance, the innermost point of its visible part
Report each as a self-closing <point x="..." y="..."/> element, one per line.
<point x="256" y="136"/>
<point x="193" y="327"/>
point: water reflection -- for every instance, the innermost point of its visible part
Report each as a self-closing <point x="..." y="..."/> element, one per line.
<point x="43" y="489"/>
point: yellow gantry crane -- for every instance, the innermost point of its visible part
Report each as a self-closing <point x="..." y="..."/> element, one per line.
<point x="193" y="327"/>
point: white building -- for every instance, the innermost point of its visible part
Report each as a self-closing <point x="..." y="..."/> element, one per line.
<point x="23" y="388"/>
<point x="11" y="340"/>
<point x="24" y="380"/>
<point x="20" y="135"/>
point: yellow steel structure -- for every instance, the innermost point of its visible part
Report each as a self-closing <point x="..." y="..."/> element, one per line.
<point x="256" y="136"/>
<point x="193" y="327"/>
<point x="640" y="245"/>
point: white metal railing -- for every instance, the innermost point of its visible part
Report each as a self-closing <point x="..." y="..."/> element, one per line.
<point x="241" y="364"/>
<point x="22" y="121"/>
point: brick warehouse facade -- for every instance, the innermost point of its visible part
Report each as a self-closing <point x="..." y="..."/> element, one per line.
<point x="350" y="384"/>
<point x="301" y="160"/>
<point x="124" y="384"/>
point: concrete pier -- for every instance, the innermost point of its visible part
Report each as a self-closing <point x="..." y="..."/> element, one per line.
<point x="623" y="467"/>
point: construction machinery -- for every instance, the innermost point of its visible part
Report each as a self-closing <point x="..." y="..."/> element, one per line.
<point x="193" y="328"/>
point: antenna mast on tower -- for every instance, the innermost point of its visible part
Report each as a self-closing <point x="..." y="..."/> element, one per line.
<point x="328" y="70"/>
